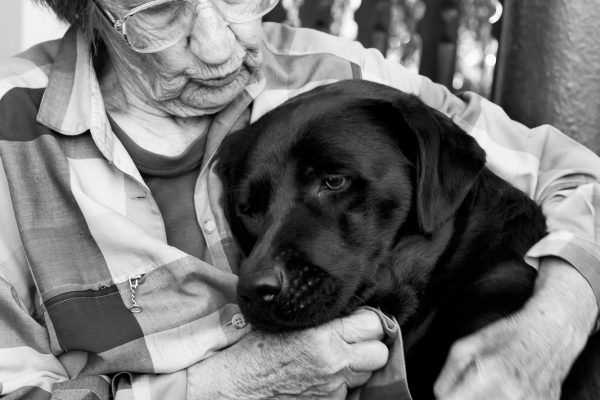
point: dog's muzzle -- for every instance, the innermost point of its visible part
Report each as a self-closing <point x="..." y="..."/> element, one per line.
<point x="282" y="297"/>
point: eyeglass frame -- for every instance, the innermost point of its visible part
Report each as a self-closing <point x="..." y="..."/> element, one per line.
<point x="119" y="23"/>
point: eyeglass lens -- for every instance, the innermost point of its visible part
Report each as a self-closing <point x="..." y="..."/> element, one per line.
<point x="243" y="10"/>
<point x="160" y="26"/>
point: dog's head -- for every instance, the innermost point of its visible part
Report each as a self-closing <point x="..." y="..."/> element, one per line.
<point x="321" y="190"/>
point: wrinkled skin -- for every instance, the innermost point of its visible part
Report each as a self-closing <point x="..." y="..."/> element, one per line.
<point x="197" y="76"/>
<point x="317" y="363"/>
<point x="165" y="101"/>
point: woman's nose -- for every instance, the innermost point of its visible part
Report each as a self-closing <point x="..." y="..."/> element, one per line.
<point x="211" y="40"/>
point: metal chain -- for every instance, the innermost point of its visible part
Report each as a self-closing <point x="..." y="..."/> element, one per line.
<point x="133" y="284"/>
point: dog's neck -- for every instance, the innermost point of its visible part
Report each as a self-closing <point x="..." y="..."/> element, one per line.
<point x="420" y="259"/>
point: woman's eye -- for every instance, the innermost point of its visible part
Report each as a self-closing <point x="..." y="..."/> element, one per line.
<point x="334" y="182"/>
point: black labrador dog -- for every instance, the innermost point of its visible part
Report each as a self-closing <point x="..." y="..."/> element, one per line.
<point x="356" y="193"/>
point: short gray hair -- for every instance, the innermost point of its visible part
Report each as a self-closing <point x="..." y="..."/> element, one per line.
<point x="80" y="13"/>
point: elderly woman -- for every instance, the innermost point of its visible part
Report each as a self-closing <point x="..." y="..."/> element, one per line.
<point x="118" y="269"/>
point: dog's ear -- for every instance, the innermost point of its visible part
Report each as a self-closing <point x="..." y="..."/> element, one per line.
<point x="447" y="160"/>
<point x="231" y="164"/>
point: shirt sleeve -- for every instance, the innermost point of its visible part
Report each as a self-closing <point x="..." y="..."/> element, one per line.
<point x="30" y="368"/>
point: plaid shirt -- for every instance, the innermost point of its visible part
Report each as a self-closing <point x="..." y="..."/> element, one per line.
<point x="79" y="227"/>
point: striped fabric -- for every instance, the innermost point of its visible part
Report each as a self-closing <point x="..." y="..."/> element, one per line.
<point x="78" y="224"/>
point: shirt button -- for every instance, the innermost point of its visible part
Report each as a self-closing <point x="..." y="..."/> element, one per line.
<point x="209" y="226"/>
<point x="238" y="321"/>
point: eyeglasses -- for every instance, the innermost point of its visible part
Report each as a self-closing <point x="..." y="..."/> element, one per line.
<point x="158" y="24"/>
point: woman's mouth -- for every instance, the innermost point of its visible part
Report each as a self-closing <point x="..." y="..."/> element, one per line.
<point x="220" y="81"/>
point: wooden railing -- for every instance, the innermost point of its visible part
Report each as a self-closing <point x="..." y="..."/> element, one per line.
<point x="548" y="63"/>
<point x="451" y="41"/>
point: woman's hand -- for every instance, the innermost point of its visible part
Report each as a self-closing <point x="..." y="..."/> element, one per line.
<point x="317" y="363"/>
<point x="528" y="355"/>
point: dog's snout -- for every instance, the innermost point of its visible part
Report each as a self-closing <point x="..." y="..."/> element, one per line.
<point x="262" y="286"/>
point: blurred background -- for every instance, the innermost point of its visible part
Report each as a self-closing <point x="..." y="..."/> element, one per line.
<point x="23" y="24"/>
<point x="453" y="42"/>
<point x="538" y="59"/>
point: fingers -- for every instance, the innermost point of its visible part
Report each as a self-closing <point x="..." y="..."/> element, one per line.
<point x="340" y="393"/>
<point x="356" y="379"/>
<point x="470" y="393"/>
<point x="360" y="326"/>
<point x="368" y="356"/>
<point x="461" y="360"/>
<point x="490" y="385"/>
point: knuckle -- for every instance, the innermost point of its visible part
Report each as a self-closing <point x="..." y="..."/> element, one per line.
<point x="460" y="349"/>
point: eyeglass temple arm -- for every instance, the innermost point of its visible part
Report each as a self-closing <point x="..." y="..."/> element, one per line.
<point x="115" y="23"/>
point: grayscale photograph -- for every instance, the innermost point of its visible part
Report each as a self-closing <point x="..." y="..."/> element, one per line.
<point x="299" y="199"/>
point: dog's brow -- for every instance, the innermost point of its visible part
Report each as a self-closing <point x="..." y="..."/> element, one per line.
<point x="259" y="194"/>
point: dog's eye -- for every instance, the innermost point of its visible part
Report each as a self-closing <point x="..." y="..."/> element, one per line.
<point x="244" y="209"/>
<point x="334" y="182"/>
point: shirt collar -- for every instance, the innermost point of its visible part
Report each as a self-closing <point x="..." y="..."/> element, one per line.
<point x="73" y="90"/>
<point x="72" y="103"/>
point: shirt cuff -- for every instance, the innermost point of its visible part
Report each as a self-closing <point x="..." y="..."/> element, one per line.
<point x="583" y="255"/>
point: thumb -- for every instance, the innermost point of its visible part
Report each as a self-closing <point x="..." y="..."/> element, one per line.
<point x="460" y="360"/>
<point x="368" y="356"/>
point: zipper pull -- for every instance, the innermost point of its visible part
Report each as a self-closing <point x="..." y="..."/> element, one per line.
<point x="133" y="284"/>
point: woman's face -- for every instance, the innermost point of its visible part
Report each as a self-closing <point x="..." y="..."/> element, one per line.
<point x="200" y="74"/>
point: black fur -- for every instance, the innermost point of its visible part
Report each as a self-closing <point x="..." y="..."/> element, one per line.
<point x="356" y="193"/>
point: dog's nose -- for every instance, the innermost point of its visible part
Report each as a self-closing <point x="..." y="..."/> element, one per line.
<point x="262" y="286"/>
